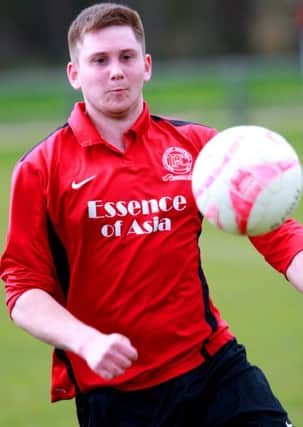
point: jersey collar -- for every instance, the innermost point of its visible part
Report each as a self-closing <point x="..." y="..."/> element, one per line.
<point x="86" y="133"/>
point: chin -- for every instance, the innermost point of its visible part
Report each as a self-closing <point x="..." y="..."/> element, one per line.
<point x="120" y="111"/>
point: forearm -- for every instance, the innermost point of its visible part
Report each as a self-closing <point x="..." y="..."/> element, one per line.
<point x="294" y="272"/>
<point x="44" y="318"/>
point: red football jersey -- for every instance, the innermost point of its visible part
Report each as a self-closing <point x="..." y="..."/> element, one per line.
<point x="114" y="237"/>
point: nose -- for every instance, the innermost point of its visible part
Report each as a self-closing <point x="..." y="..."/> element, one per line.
<point x="116" y="72"/>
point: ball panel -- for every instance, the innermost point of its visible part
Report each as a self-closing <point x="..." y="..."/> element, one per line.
<point x="284" y="187"/>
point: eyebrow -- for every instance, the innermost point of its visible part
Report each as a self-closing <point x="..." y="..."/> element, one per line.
<point x="129" y="49"/>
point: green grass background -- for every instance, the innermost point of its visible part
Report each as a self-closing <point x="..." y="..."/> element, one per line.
<point x="263" y="310"/>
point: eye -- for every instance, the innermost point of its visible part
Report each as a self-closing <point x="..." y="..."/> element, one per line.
<point x="127" y="56"/>
<point x="100" y="60"/>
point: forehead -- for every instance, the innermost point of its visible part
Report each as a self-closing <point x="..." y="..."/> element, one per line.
<point x="113" y="38"/>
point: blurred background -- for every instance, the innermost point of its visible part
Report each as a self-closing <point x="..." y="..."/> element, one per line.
<point x="34" y="32"/>
<point x="215" y="61"/>
<point x="230" y="59"/>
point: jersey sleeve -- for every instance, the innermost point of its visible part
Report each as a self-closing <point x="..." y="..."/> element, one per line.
<point x="280" y="246"/>
<point x="201" y="135"/>
<point x="27" y="261"/>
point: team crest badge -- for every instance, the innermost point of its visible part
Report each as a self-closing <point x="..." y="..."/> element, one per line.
<point x="178" y="162"/>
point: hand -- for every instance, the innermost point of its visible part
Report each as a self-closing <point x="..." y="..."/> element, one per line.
<point x="41" y="315"/>
<point x="109" y="355"/>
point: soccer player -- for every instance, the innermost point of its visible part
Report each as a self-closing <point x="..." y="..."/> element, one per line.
<point x="102" y="258"/>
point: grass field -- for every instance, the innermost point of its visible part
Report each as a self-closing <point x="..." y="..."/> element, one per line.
<point x="262" y="309"/>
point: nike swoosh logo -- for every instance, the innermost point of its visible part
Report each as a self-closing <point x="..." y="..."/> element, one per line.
<point x="77" y="185"/>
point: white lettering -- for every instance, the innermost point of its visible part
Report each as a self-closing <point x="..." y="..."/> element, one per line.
<point x="179" y="203"/>
<point x="164" y="224"/>
<point x="150" y="206"/>
<point x="92" y="208"/>
<point x="109" y="209"/>
<point x="150" y="226"/>
<point x="121" y="208"/>
<point x="99" y="209"/>
<point x="109" y="230"/>
<point x="164" y="204"/>
<point x="135" y="228"/>
<point x="134" y="207"/>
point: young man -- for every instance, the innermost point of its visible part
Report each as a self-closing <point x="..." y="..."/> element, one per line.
<point x="102" y="258"/>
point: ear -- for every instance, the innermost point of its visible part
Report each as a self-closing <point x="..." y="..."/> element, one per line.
<point x="73" y="75"/>
<point x="147" y="68"/>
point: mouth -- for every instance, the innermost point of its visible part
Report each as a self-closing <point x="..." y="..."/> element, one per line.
<point x="118" y="90"/>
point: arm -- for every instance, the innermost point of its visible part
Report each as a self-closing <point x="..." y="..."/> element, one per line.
<point x="283" y="250"/>
<point x="294" y="273"/>
<point x="34" y="295"/>
<point x="42" y="316"/>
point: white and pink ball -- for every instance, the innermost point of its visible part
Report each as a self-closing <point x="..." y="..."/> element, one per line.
<point x="247" y="180"/>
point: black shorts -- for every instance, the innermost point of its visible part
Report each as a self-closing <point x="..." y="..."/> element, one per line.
<point x="226" y="391"/>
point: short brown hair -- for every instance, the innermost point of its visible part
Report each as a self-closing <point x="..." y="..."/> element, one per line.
<point x="103" y="15"/>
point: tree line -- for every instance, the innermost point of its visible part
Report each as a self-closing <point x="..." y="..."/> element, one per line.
<point x="34" y="31"/>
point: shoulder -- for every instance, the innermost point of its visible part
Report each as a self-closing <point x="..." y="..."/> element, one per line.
<point x="41" y="158"/>
<point x="196" y="132"/>
<point x="45" y="144"/>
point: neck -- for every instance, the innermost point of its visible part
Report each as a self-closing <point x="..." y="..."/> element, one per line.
<point x="113" y="127"/>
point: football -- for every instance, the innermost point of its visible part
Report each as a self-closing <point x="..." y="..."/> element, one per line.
<point x="247" y="180"/>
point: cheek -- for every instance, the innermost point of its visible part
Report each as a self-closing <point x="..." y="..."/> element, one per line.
<point x="90" y="79"/>
<point x="139" y="78"/>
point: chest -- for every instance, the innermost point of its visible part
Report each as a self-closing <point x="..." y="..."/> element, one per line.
<point x="145" y="189"/>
